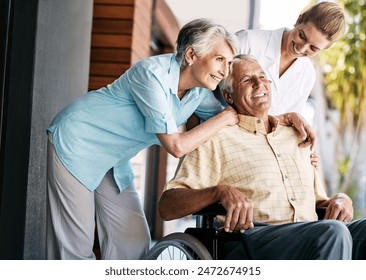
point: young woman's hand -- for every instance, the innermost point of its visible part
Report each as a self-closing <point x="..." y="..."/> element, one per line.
<point x="305" y="130"/>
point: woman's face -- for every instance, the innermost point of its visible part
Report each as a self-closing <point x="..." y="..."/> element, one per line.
<point x="208" y="70"/>
<point x="306" y="40"/>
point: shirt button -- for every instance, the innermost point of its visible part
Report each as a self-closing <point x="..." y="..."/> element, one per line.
<point x="258" y="121"/>
<point x="292" y="199"/>
<point x="278" y="155"/>
<point x="286" y="177"/>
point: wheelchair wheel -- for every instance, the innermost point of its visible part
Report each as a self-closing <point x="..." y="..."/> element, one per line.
<point x="178" y="246"/>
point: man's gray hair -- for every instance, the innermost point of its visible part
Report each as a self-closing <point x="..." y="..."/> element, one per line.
<point x="227" y="83"/>
<point x="199" y="34"/>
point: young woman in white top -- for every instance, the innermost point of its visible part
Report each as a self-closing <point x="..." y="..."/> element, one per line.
<point x="285" y="54"/>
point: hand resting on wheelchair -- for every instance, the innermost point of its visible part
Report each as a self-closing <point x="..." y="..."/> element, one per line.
<point x="222" y="200"/>
<point x="239" y="209"/>
<point x="217" y="209"/>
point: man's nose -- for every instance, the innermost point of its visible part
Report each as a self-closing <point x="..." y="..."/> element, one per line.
<point x="256" y="81"/>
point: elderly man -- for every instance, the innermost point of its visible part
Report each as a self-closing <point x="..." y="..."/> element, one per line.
<point x="259" y="174"/>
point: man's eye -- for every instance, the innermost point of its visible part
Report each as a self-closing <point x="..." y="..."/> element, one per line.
<point x="220" y="59"/>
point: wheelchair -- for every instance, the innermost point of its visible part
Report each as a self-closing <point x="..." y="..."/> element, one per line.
<point x="200" y="243"/>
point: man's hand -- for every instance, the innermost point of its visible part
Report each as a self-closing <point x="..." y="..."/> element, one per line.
<point x="239" y="209"/>
<point x="339" y="208"/>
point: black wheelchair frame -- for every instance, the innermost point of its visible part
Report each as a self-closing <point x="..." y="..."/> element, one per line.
<point x="201" y="242"/>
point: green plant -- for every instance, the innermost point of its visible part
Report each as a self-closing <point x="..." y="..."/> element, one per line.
<point x="345" y="81"/>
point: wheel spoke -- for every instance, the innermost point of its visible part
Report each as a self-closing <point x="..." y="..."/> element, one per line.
<point x="179" y="246"/>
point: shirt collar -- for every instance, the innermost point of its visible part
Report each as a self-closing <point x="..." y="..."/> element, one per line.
<point x="256" y="125"/>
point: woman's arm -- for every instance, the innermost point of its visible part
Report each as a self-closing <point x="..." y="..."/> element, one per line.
<point x="179" y="144"/>
<point x="192" y="122"/>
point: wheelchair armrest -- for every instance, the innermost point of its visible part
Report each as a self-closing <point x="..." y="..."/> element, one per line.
<point x="205" y="218"/>
<point x="212" y="210"/>
<point x="217" y="209"/>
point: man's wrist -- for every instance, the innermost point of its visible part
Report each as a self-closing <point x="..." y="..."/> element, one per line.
<point x="344" y="196"/>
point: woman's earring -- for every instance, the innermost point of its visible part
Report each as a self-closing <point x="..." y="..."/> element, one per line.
<point x="190" y="64"/>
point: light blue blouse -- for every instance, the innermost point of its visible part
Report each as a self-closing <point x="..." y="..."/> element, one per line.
<point x="105" y="128"/>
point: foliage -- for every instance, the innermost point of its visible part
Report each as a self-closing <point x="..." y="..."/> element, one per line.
<point x="345" y="80"/>
<point x="345" y="65"/>
<point x="343" y="166"/>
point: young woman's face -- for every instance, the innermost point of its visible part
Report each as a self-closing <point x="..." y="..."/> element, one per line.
<point x="306" y="40"/>
<point x="208" y="70"/>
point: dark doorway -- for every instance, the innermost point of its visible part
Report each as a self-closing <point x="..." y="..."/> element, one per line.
<point x="17" y="35"/>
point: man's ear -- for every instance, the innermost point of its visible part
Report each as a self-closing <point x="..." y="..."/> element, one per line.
<point x="189" y="55"/>
<point x="227" y="96"/>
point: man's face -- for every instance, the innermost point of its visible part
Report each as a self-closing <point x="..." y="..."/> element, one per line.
<point x="251" y="89"/>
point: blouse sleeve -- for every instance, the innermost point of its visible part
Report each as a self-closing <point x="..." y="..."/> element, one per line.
<point x="209" y="107"/>
<point x="151" y="92"/>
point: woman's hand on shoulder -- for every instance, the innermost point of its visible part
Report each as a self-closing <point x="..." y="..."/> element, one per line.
<point x="301" y="125"/>
<point x="230" y="115"/>
<point x="179" y="144"/>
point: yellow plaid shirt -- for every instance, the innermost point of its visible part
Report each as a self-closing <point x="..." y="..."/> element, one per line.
<point x="269" y="168"/>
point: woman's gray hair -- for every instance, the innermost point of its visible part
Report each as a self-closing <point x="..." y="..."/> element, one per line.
<point x="227" y="83"/>
<point x="199" y="34"/>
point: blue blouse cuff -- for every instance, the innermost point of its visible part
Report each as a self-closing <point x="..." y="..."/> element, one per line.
<point x="161" y="125"/>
